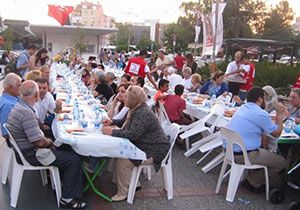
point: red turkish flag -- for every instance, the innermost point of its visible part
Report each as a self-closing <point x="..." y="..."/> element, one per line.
<point x="60" y="13"/>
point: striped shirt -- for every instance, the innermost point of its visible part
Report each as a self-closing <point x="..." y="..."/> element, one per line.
<point x="23" y="125"/>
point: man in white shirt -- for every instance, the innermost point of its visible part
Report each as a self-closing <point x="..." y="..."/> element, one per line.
<point x="46" y="105"/>
<point x="173" y="78"/>
<point x="232" y="72"/>
<point x="163" y="61"/>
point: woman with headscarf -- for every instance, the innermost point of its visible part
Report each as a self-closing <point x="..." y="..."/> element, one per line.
<point x="143" y="129"/>
<point x="271" y="98"/>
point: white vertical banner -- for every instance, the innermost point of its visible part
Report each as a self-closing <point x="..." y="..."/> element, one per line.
<point x="209" y="30"/>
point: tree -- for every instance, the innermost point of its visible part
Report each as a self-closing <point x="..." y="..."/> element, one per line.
<point x="243" y="17"/>
<point x="145" y="43"/>
<point x="78" y="42"/>
<point x="123" y="37"/>
<point x="278" y="24"/>
<point x="188" y="20"/>
<point x="177" y="32"/>
<point x="240" y="17"/>
<point x="8" y="36"/>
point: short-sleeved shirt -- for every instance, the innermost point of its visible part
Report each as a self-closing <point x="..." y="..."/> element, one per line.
<point x="160" y="62"/>
<point x="7" y="102"/>
<point x="42" y="107"/>
<point x="179" y="60"/>
<point x="22" y="59"/>
<point x="137" y="66"/>
<point x="188" y="83"/>
<point x="157" y="95"/>
<point x="174" y="105"/>
<point x="232" y="66"/>
<point x="251" y="122"/>
<point x="23" y="125"/>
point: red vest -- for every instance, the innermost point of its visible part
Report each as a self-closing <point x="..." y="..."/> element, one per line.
<point x="249" y="78"/>
<point x="136" y="66"/>
<point x="297" y="83"/>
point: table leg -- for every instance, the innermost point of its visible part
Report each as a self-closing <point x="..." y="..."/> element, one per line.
<point x="92" y="179"/>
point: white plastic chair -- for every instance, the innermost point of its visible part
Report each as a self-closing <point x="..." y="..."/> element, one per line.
<point x="6" y="162"/>
<point x="19" y="169"/>
<point x="166" y="165"/>
<point x="199" y="126"/>
<point x="236" y="170"/>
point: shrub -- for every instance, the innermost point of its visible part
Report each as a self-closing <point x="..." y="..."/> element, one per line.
<point x="279" y="76"/>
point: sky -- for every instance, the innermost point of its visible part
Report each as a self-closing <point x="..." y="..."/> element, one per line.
<point x="167" y="11"/>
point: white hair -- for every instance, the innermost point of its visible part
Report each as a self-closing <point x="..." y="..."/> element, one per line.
<point x="11" y="79"/>
<point x="28" y="88"/>
<point x="100" y="75"/>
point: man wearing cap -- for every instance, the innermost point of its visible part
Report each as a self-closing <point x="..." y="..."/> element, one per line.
<point x="24" y="128"/>
<point x="138" y="66"/>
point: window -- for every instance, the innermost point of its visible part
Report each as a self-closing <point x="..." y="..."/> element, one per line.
<point x="90" y="48"/>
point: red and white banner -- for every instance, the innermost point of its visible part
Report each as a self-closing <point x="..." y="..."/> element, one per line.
<point x="209" y="30"/>
<point x="60" y="13"/>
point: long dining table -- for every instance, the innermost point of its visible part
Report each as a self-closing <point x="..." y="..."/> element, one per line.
<point x="82" y="131"/>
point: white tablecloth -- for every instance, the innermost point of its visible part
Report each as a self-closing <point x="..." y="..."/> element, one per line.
<point x="91" y="142"/>
<point x="96" y="144"/>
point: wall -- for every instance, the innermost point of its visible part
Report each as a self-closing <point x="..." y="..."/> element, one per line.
<point x="61" y="41"/>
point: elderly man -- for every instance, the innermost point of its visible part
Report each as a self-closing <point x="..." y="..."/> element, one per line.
<point x="23" y="60"/>
<point x="23" y="125"/>
<point x="9" y="98"/>
<point x="251" y="121"/>
<point x="102" y="91"/>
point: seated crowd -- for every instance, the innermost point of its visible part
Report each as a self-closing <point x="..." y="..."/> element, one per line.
<point x="29" y="108"/>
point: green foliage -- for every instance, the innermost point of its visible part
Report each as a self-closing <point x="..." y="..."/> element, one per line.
<point x="279" y="76"/>
<point x="278" y="24"/>
<point x="179" y="33"/>
<point x="78" y="43"/>
<point x="123" y="37"/>
<point x="145" y="43"/>
<point x="8" y="36"/>
<point x="189" y="19"/>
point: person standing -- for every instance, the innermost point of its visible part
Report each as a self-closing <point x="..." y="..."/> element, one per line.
<point x="23" y="63"/>
<point x="248" y="71"/>
<point x="179" y="61"/>
<point x="138" y="66"/>
<point x="190" y="62"/>
<point x="232" y="71"/>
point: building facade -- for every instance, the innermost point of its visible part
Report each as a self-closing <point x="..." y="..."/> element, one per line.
<point x="90" y="15"/>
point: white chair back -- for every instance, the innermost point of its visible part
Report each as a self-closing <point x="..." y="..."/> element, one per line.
<point x="172" y="131"/>
<point x="162" y="113"/>
<point x="233" y="138"/>
<point x="16" y="147"/>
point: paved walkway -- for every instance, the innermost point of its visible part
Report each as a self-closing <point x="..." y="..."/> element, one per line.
<point x="193" y="190"/>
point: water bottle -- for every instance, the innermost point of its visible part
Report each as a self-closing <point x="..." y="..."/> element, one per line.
<point x="76" y="114"/>
<point x="212" y="100"/>
<point x="81" y="115"/>
<point x="288" y="125"/>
